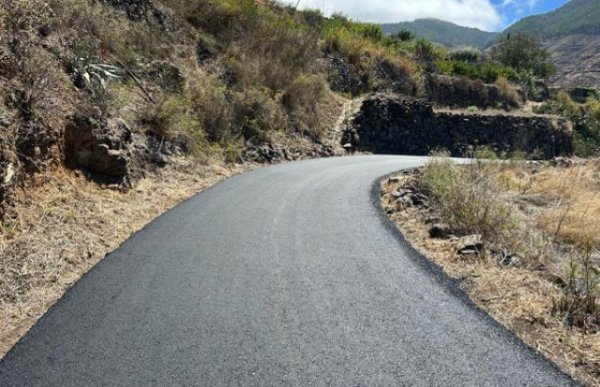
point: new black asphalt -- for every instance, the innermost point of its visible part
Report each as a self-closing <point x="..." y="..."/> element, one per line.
<point x="286" y="276"/>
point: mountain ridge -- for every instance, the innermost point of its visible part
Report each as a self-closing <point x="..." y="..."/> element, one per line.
<point x="443" y="32"/>
<point x="574" y="17"/>
<point x="571" y="34"/>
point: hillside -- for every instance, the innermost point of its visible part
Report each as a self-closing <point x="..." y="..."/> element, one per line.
<point x="575" y="17"/>
<point x="446" y="33"/>
<point x="572" y="35"/>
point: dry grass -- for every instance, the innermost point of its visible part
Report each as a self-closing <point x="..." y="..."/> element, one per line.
<point x="66" y="225"/>
<point x="576" y="194"/>
<point x="508" y="92"/>
<point x="549" y="297"/>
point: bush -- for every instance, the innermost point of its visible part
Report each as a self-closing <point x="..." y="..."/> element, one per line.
<point x="508" y="91"/>
<point x="585" y="118"/>
<point x="174" y="120"/>
<point x="302" y="102"/>
<point x="256" y="115"/>
<point x="465" y="54"/>
<point x="424" y="50"/>
<point x="488" y="72"/>
<point x="404" y="35"/>
<point x="468" y="198"/>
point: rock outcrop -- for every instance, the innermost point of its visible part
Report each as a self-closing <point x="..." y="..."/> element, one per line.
<point x="391" y="124"/>
<point x="99" y="146"/>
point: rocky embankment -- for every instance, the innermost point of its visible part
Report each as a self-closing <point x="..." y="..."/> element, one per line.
<point x="391" y="124"/>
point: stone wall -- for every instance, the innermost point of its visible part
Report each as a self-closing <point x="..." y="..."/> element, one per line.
<point x="391" y="124"/>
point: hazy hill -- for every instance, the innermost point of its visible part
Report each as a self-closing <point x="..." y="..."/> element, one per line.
<point x="446" y="33"/>
<point x="572" y="35"/>
<point x="575" y="17"/>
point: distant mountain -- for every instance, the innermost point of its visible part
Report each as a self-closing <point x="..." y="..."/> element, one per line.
<point x="575" y="17"/>
<point x="572" y="35"/>
<point x="443" y="32"/>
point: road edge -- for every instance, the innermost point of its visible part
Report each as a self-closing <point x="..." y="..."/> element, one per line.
<point x="450" y="284"/>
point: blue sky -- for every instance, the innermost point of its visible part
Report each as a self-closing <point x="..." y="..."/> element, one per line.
<point x="490" y="15"/>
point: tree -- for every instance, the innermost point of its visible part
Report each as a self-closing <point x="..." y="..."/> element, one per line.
<point x="404" y="35"/>
<point x="524" y="53"/>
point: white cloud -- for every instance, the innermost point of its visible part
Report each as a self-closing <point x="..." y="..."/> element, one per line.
<point x="520" y="7"/>
<point x="473" y="13"/>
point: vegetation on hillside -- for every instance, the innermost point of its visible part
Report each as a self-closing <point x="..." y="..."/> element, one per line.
<point x="525" y="54"/>
<point x="585" y="118"/>
<point x="479" y="198"/>
<point x="576" y="16"/>
<point x="210" y="75"/>
<point x="519" y="59"/>
<point x="442" y="32"/>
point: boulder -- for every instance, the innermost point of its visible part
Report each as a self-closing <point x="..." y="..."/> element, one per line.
<point x="439" y="231"/>
<point x="470" y="245"/>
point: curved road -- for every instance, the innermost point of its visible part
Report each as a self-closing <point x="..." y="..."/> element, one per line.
<point x="286" y="276"/>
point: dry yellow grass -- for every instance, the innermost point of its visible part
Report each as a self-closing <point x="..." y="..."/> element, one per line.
<point x="576" y="216"/>
<point x="523" y="297"/>
<point x="67" y="224"/>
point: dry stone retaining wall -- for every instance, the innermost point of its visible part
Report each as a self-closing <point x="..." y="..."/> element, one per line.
<point x="391" y="124"/>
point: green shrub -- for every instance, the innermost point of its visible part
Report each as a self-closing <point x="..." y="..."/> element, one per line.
<point x="174" y="120"/>
<point x="488" y="72"/>
<point x="465" y="54"/>
<point x="256" y="115"/>
<point x="404" y="35"/>
<point x="424" y="49"/>
<point x="585" y="118"/>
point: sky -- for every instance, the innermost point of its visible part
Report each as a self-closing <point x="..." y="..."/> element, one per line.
<point x="489" y="15"/>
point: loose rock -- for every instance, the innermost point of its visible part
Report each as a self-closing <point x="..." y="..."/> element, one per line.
<point x="470" y="245"/>
<point x="439" y="231"/>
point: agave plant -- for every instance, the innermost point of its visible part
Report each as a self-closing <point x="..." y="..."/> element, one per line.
<point x="96" y="73"/>
<point x="100" y="73"/>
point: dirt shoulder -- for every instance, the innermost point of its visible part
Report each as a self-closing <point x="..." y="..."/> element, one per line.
<point x="532" y="288"/>
<point x="67" y="224"/>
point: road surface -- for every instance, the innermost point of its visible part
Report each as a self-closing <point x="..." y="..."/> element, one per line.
<point x="286" y="276"/>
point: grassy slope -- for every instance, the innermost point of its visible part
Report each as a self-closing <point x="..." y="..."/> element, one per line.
<point x="211" y="74"/>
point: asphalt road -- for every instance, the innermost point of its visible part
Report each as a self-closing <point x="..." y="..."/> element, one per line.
<point x="286" y="276"/>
